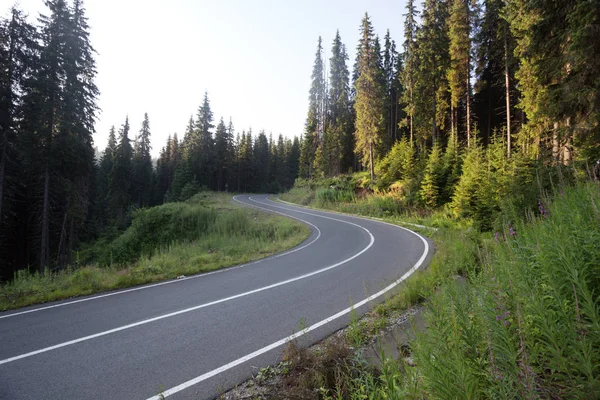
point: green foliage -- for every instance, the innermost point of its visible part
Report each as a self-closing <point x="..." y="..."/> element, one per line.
<point x="397" y="165"/>
<point x="334" y="196"/>
<point x="524" y="327"/>
<point x="203" y="234"/>
<point x="432" y="183"/>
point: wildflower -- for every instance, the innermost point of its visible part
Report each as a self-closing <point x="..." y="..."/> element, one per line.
<point x="511" y="230"/>
<point x="542" y="209"/>
<point x="497" y="236"/>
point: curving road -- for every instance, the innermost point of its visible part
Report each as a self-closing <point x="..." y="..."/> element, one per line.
<point x="196" y="337"/>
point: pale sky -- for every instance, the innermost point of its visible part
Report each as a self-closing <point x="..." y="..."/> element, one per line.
<point x="254" y="57"/>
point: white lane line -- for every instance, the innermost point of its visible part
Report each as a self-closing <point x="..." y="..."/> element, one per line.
<point x="355" y="216"/>
<point x="187" y="310"/>
<point x="287" y="339"/>
<point x="177" y="280"/>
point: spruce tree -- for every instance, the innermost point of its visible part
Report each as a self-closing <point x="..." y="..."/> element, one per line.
<point x="340" y="143"/>
<point x="18" y="52"/>
<point x="120" y="188"/>
<point x="315" y="121"/>
<point x="459" y="73"/>
<point x="369" y="104"/>
<point x="408" y="74"/>
<point x="59" y="110"/>
<point x="142" y="166"/>
<point x="202" y="153"/>
<point x="391" y="65"/>
<point x="222" y="155"/>
<point x="430" y="95"/>
<point x="163" y="173"/>
<point x="432" y="184"/>
<point x="103" y="177"/>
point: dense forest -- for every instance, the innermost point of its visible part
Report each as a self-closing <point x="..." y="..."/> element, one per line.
<point x="487" y="103"/>
<point x="469" y="74"/>
<point x="479" y="96"/>
<point x="54" y="192"/>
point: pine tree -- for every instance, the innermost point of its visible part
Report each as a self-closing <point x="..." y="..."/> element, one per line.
<point x="340" y="143"/>
<point x="261" y="162"/>
<point x="407" y="76"/>
<point x="202" y="153"/>
<point x="142" y="166"/>
<point x="430" y="95"/>
<point x="369" y="104"/>
<point x="59" y="109"/>
<point x="494" y="96"/>
<point x="103" y="177"/>
<point x="459" y="73"/>
<point x="119" y="190"/>
<point x="18" y="52"/>
<point x="162" y="184"/>
<point x="315" y="121"/>
<point x="391" y="66"/>
<point x="432" y="184"/>
<point x="222" y="155"/>
<point x="556" y="76"/>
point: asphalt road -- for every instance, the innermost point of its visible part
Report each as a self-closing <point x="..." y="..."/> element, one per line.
<point x="193" y="338"/>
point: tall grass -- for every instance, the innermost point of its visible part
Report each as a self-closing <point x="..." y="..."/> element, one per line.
<point x="203" y="234"/>
<point x="524" y="324"/>
<point x="527" y="323"/>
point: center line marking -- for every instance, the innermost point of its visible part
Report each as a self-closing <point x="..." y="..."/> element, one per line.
<point x="147" y="321"/>
<point x="287" y="339"/>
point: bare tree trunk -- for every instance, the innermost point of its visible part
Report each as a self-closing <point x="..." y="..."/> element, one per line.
<point x="507" y="84"/>
<point x="45" y="240"/>
<point x="411" y="131"/>
<point x="468" y="111"/>
<point x="452" y="131"/>
<point x="567" y="150"/>
<point x="555" y="144"/>
<point x="371" y="166"/>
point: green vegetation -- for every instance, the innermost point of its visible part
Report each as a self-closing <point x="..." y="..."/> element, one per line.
<point x="523" y="320"/>
<point x="205" y="233"/>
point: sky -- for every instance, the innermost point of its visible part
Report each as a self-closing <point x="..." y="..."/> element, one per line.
<point x="254" y="57"/>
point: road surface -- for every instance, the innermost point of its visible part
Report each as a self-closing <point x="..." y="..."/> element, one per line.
<point x="194" y="338"/>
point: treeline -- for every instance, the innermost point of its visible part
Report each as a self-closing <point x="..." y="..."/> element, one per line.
<point x="47" y="114"/>
<point x="470" y="73"/>
<point x="207" y="158"/>
<point x="54" y="193"/>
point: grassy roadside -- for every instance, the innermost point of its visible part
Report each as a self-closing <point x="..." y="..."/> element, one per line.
<point x="206" y="233"/>
<point x="523" y="322"/>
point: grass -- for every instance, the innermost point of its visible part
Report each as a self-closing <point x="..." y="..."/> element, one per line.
<point x="206" y="233"/>
<point x="523" y="322"/>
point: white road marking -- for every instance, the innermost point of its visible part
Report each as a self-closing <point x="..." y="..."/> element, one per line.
<point x="360" y="216"/>
<point x="287" y="339"/>
<point x="147" y="321"/>
<point x="176" y="280"/>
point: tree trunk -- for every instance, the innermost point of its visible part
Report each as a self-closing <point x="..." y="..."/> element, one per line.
<point x="567" y="149"/>
<point x="468" y="110"/>
<point x="371" y="166"/>
<point x="433" y="125"/>
<point x="2" y="167"/>
<point x="45" y="240"/>
<point x="60" y="257"/>
<point x="70" y="239"/>
<point x="555" y="144"/>
<point x="452" y="131"/>
<point x="507" y="84"/>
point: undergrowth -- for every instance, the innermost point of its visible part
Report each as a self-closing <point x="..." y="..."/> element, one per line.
<point x="524" y="322"/>
<point x="203" y="234"/>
